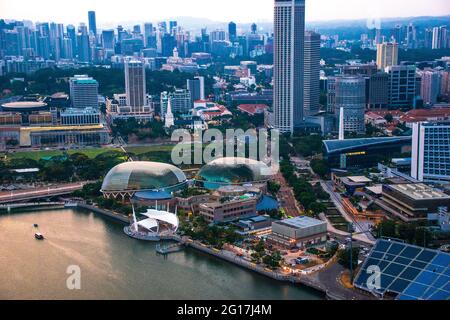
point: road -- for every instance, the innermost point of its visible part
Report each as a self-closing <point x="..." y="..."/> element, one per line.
<point x="286" y="197"/>
<point x="337" y="200"/>
<point x="330" y="277"/>
<point x="44" y="192"/>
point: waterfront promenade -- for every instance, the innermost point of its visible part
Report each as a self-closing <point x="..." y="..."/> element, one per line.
<point x="324" y="278"/>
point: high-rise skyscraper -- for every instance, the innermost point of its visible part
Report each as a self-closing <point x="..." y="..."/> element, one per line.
<point x="173" y="26"/>
<point x="430" y="86"/>
<point x="411" y="36"/>
<point x="402" y="86"/>
<point x="350" y="96"/>
<point x="108" y="39"/>
<point x="232" y="31"/>
<point x="83" y="44"/>
<point x="428" y="39"/>
<point x="66" y="48"/>
<point x="196" y="87"/>
<point x="168" y="43"/>
<point x="440" y="38"/>
<point x="378" y="91"/>
<point x="135" y="85"/>
<point x="148" y="32"/>
<point x="387" y="55"/>
<point x="289" y="37"/>
<point x="92" y="23"/>
<point x="83" y="92"/>
<point x="312" y="73"/>
<point x="431" y="152"/>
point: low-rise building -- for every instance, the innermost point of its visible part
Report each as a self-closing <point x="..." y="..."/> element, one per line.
<point x="40" y="119"/>
<point x="231" y="210"/>
<point x="412" y="202"/>
<point x="232" y="202"/>
<point x="64" y="136"/>
<point x="253" y="109"/>
<point x="117" y="108"/>
<point x="422" y="115"/>
<point x="10" y="118"/>
<point x="350" y="183"/>
<point x="300" y="232"/>
<point x="84" y="116"/>
<point x="256" y="225"/>
<point x="9" y="136"/>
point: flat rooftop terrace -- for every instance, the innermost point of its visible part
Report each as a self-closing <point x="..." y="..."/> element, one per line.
<point x="419" y="191"/>
<point x="301" y="222"/>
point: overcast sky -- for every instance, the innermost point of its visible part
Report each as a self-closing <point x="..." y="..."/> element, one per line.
<point x="109" y="11"/>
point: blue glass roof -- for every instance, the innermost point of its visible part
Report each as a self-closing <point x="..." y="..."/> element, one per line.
<point x="407" y="271"/>
<point x="153" y="195"/>
<point x="344" y="145"/>
<point x="267" y="203"/>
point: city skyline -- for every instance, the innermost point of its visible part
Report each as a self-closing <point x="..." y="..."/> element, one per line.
<point x="319" y="10"/>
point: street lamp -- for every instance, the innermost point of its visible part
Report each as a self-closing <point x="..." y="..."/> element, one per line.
<point x="351" y="249"/>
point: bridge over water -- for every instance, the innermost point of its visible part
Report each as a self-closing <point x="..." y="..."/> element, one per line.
<point x="40" y="193"/>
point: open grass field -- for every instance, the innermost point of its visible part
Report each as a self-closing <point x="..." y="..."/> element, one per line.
<point x="147" y="149"/>
<point x="37" y="155"/>
<point x="90" y="152"/>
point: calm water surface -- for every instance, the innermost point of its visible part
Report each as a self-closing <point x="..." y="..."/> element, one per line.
<point x="114" y="266"/>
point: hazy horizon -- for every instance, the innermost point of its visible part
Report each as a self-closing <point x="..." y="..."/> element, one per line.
<point x="111" y="12"/>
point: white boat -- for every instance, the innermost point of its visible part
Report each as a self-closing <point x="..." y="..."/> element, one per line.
<point x="39" y="236"/>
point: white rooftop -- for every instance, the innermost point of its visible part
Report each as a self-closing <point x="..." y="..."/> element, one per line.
<point x="302" y="222"/>
<point x="419" y="191"/>
<point x="359" y="179"/>
<point x="378" y="189"/>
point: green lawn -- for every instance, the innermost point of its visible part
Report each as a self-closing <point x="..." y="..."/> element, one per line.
<point x="90" y="152"/>
<point x="37" y="155"/>
<point x="147" y="149"/>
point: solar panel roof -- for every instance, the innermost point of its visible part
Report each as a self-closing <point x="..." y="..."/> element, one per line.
<point x="407" y="272"/>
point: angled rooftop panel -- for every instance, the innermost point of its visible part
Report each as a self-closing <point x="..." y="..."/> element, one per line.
<point x="343" y="145"/>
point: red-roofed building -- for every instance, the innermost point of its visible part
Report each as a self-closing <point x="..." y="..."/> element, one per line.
<point x="253" y="109"/>
<point x="419" y="115"/>
<point x="209" y="110"/>
<point x="396" y="114"/>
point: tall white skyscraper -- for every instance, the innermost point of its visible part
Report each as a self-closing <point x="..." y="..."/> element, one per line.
<point x="289" y="38"/>
<point x="436" y="42"/>
<point x="135" y="85"/>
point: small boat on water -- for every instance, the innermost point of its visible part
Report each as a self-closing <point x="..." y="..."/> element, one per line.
<point x="39" y="236"/>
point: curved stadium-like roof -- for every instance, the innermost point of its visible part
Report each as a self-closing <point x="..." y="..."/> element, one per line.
<point x="235" y="171"/>
<point x="141" y="175"/>
<point x="24" y="106"/>
<point x="350" y="144"/>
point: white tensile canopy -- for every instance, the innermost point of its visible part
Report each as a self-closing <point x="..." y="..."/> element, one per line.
<point x="148" y="224"/>
<point x="163" y="216"/>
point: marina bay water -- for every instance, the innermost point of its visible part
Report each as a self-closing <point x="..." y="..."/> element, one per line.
<point x="114" y="266"/>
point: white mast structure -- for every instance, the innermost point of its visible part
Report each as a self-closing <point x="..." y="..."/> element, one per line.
<point x="342" y="137"/>
<point x="134" y="219"/>
<point x="341" y="124"/>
